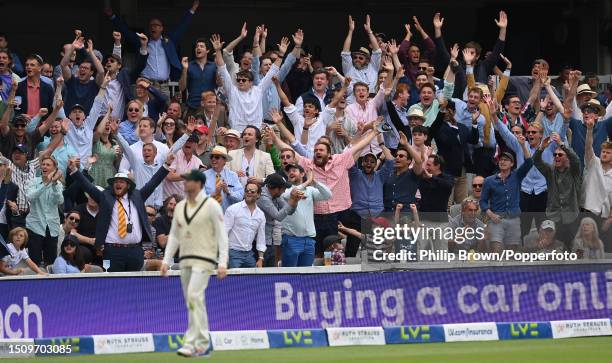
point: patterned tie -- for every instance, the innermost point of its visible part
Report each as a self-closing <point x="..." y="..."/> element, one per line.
<point x="122" y="221"/>
<point x="218" y="197"/>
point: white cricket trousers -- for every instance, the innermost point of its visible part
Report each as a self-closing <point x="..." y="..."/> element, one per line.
<point x="194" y="281"/>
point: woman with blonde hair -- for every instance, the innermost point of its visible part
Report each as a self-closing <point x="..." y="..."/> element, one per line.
<point x="45" y="194"/>
<point x="587" y="244"/>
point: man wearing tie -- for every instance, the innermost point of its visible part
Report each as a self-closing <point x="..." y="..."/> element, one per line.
<point x="122" y="219"/>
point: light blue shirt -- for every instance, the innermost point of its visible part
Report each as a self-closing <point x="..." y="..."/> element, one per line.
<point x="464" y="116"/>
<point x="301" y="222"/>
<point x="158" y="68"/>
<point x="236" y="191"/>
<point x="555" y="126"/>
<point x="270" y="96"/>
<point x="60" y="266"/>
<point x="61" y="154"/>
<point x="534" y="182"/>
<point x="127" y="129"/>
<point x="392" y="138"/>
<point x="44" y="200"/>
<point x="81" y="138"/>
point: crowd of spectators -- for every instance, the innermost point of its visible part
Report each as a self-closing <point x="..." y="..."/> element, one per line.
<point x="303" y="158"/>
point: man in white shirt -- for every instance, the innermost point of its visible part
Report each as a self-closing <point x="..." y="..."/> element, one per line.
<point x="246" y="223"/>
<point x="244" y="98"/>
<point x="597" y="185"/>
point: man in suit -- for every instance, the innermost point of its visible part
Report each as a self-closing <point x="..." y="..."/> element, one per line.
<point x="452" y="139"/>
<point x="163" y="62"/>
<point x="251" y="164"/>
<point x="34" y="93"/>
<point x="122" y="220"/>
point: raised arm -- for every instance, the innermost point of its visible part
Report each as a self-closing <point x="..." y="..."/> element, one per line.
<point x="281" y="94"/>
<point x="183" y="79"/>
<point x="243" y="33"/>
<point x="553" y="96"/>
<point x="414" y="154"/>
<point x="68" y="49"/>
<point x="419" y="28"/>
<point x="257" y="52"/>
<point x="97" y="65"/>
<point x="346" y="47"/>
<point x="366" y="139"/>
<point x="370" y="33"/>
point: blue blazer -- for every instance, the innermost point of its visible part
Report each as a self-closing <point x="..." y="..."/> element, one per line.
<point x="46" y="96"/>
<point x="106" y="201"/>
<point x="169" y="43"/>
<point x="453" y="144"/>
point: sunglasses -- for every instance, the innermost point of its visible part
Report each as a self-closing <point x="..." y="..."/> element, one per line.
<point x="360" y="57"/>
<point x="242" y="80"/>
<point x="283" y="157"/>
<point x="75" y="220"/>
<point x="151" y="214"/>
<point x="422" y="68"/>
<point x="215" y="157"/>
<point x="532" y="132"/>
<point x="251" y="191"/>
<point x="558" y="155"/>
<point x="133" y="109"/>
<point x="70" y="245"/>
<point x="476" y="185"/>
<point x="19" y="126"/>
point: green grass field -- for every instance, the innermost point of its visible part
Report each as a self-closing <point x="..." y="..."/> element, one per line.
<point x="576" y="350"/>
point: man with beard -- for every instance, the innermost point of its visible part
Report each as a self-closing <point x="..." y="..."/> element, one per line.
<point x="198" y="75"/>
<point x="333" y="172"/>
<point x="367" y="191"/>
<point x="298" y="244"/>
<point x="81" y="89"/>
<point x="123" y="223"/>
<point x="360" y="65"/>
<point x="164" y="221"/>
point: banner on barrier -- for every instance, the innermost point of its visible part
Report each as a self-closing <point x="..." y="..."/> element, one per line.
<point x="470" y="332"/>
<point x="580" y="328"/>
<point x="237" y="340"/>
<point x="36" y="308"/>
<point x="297" y="338"/>
<point x="414" y="334"/>
<point x="525" y="330"/>
<point x="123" y="343"/>
<point x="355" y="336"/>
<point x="168" y="342"/>
<point x="68" y="345"/>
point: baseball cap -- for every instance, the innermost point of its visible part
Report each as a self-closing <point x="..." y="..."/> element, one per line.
<point x="548" y="224"/>
<point x="202" y="129"/>
<point x="330" y="240"/>
<point x="294" y="166"/>
<point x="276" y="180"/>
<point x="76" y="105"/>
<point x="21" y="148"/>
<point x="193" y="138"/>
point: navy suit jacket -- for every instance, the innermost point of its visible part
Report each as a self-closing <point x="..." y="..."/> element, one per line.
<point x="453" y="144"/>
<point x="170" y="41"/>
<point x="106" y="200"/>
<point x="46" y="96"/>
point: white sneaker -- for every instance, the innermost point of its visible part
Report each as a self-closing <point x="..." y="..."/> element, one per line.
<point x="185" y="351"/>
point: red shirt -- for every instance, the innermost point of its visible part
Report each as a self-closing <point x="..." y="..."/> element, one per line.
<point x="33" y="98"/>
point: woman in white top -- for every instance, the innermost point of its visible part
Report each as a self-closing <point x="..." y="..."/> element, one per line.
<point x="587" y="243"/>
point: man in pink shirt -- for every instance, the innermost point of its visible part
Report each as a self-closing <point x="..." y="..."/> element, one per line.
<point x="365" y="109"/>
<point x="333" y="172"/>
<point x="184" y="162"/>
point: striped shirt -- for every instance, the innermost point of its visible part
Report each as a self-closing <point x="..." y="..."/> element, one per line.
<point x="335" y="176"/>
<point x="21" y="177"/>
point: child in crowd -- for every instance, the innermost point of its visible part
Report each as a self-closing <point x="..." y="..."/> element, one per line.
<point x="18" y="255"/>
